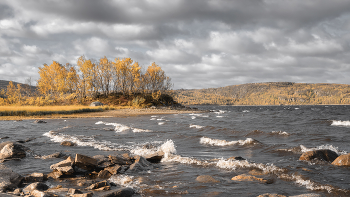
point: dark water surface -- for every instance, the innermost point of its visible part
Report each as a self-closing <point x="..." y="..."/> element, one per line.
<point x="270" y="138"/>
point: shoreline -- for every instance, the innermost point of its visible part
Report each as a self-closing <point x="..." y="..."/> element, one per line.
<point x="120" y="113"/>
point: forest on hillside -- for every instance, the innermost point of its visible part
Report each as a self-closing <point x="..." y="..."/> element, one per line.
<point x="273" y="93"/>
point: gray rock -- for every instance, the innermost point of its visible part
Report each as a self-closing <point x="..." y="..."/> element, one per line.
<point x="206" y="179"/>
<point x="96" y="103"/>
<point x="54" y="155"/>
<point x="35" y="186"/>
<point x="323" y="154"/>
<point x="85" y="162"/>
<point x="11" y="150"/>
<point x="140" y="164"/>
<point x="65" y="166"/>
<point x="122" y="192"/>
<point x="9" y="180"/>
<point x="342" y="160"/>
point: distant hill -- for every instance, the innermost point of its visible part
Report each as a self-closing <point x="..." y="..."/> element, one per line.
<point x="272" y="93"/>
<point x="4" y="84"/>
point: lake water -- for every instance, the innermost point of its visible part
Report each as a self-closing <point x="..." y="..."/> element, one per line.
<point x="270" y="138"/>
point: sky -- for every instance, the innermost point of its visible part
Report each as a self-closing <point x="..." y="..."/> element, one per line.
<point x="198" y="43"/>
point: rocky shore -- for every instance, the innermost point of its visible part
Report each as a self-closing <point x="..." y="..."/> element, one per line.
<point x="96" y="176"/>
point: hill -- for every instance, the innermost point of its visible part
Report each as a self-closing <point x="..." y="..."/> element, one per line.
<point x="272" y="93"/>
<point x="4" y="84"/>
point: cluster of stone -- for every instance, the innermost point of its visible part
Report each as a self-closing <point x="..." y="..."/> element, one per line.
<point x="92" y="172"/>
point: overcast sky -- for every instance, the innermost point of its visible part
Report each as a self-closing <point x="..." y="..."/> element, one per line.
<point x="198" y="43"/>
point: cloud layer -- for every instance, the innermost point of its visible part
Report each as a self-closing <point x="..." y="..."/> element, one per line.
<point x="199" y="44"/>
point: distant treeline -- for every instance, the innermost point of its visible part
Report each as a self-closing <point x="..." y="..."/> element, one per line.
<point x="273" y="93"/>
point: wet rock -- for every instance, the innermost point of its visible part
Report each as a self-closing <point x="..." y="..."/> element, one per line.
<point x="85" y="162"/>
<point x="140" y="164"/>
<point x="74" y="191"/>
<point x="342" y="160"/>
<point x="244" y="177"/>
<point x="114" y="169"/>
<point x="35" y="186"/>
<point x="206" y="179"/>
<point x="9" y="180"/>
<point x="89" y="194"/>
<point x="323" y="154"/>
<point x="119" y="160"/>
<point x="104" y="174"/>
<point x="98" y="185"/>
<point x="65" y="166"/>
<point x="55" y="174"/>
<point x="67" y="143"/>
<point x="37" y="193"/>
<point x="102" y="161"/>
<point x="2" y="138"/>
<point x="54" y="155"/>
<point x="40" y="121"/>
<point x="17" y="192"/>
<point x="239" y="158"/>
<point x="122" y="192"/>
<point x="271" y="195"/>
<point x="35" y="177"/>
<point x="11" y="150"/>
<point x="156" y="157"/>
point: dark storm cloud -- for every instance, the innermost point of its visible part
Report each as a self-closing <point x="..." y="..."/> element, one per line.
<point x="199" y="43"/>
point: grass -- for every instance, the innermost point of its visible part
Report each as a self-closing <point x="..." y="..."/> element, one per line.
<point x="47" y="110"/>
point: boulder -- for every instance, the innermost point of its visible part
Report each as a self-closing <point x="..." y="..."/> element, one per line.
<point x="104" y="174"/>
<point x="342" y="160"/>
<point x="9" y="180"/>
<point x="119" y="160"/>
<point x="89" y="194"/>
<point x="65" y="166"/>
<point x="39" y="121"/>
<point x="67" y="143"/>
<point x="35" y="177"/>
<point x="85" y="162"/>
<point x="74" y="191"/>
<point x="96" y="103"/>
<point x="54" y="155"/>
<point x="206" y="179"/>
<point x="155" y="157"/>
<point x="37" y="193"/>
<point x="323" y="154"/>
<point x="122" y="192"/>
<point x="102" y="161"/>
<point x="11" y="150"/>
<point x="99" y="185"/>
<point x="140" y="164"/>
<point x="35" y="186"/>
<point x="114" y="169"/>
<point x="239" y="158"/>
<point x="244" y="177"/>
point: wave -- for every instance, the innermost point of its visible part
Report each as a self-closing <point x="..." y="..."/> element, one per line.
<point x="216" y="142"/>
<point x="122" y="128"/>
<point x="196" y="126"/>
<point x="340" y="123"/>
<point x="82" y="140"/>
<point x="280" y="133"/>
<point x="327" y="146"/>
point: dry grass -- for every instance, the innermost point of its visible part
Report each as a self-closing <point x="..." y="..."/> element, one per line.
<point x="47" y="110"/>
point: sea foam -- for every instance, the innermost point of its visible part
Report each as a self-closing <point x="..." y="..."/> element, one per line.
<point x="216" y="142"/>
<point x="340" y="123"/>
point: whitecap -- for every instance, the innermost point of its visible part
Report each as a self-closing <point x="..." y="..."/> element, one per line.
<point x="196" y="126"/>
<point x="327" y="146"/>
<point x="161" y="123"/>
<point x="217" y="142"/>
<point x="340" y="123"/>
<point x="280" y="132"/>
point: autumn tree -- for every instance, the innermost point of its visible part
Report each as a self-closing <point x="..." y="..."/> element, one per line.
<point x="155" y="79"/>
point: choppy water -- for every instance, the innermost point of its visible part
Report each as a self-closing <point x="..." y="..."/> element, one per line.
<point x="271" y="138"/>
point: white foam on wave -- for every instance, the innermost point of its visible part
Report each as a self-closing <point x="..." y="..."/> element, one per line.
<point x="280" y="133"/>
<point x="216" y="142"/>
<point x="167" y="148"/>
<point x="245" y="111"/>
<point x="340" y="123"/>
<point x="123" y="128"/>
<point x="327" y="146"/>
<point x="161" y="123"/>
<point x="84" y="141"/>
<point x="196" y="126"/>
